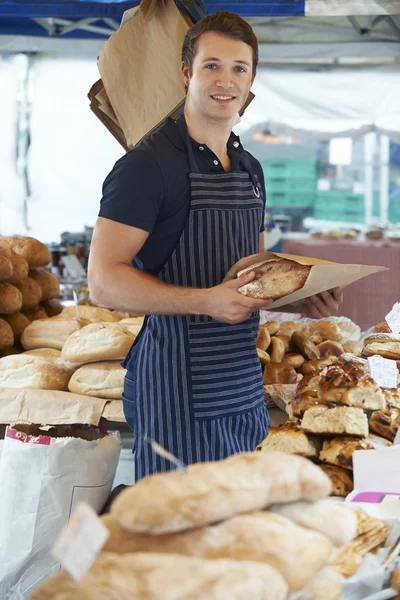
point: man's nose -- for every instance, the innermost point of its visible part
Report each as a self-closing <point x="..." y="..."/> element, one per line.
<point x="224" y="80"/>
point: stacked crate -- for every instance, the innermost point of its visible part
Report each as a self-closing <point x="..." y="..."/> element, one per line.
<point x="394" y="209"/>
<point x="290" y="183"/>
<point x="337" y="205"/>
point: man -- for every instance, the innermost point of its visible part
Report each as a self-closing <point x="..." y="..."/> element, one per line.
<point x="185" y="205"/>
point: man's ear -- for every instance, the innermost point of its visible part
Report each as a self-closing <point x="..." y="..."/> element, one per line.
<point x="185" y="74"/>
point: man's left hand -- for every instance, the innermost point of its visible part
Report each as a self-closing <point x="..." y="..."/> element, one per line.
<point x="322" y="305"/>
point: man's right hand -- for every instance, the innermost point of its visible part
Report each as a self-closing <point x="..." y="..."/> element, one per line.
<point x="225" y="304"/>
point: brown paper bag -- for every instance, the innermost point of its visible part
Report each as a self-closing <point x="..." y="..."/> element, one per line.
<point x="323" y="276"/>
<point x="140" y="66"/>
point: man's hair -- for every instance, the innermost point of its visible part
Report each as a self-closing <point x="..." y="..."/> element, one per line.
<point x="221" y="22"/>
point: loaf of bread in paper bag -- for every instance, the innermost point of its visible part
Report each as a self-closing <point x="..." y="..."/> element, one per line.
<point x="212" y="491"/>
<point x="166" y="577"/>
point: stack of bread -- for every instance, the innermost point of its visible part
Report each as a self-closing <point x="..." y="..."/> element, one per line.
<point x="27" y="289"/>
<point x="337" y="408"/>
<point x="254" y="526"/>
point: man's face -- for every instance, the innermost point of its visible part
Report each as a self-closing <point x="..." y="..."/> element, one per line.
<point x="221" y="76"/>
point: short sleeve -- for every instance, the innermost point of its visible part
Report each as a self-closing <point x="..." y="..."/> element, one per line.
<point x="133" y="191"/>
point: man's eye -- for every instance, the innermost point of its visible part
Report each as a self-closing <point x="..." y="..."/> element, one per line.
<point x="211" y="66"/>
<point x="240" y="69"/>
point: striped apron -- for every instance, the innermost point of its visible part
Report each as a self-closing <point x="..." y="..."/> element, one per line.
<point x="193" y="384"/>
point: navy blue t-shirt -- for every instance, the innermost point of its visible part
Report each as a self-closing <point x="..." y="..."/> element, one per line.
<point x="149" y="188"/>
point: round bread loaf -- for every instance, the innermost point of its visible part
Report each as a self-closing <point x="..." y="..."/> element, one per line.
<point x="101" y="380"/>
<point x="97" y="342"/>
<point x="25" y="371"/>
<point x="94" y="314"/>
<point x="34" y="314"/>
<point x="18" y="323"/>
<point x="288" y="328"/>
<point x="263" y="338"/>
<point x="10" y="298"/>
<point x="36" y="253"/>
<point x="50" y="333"/>
<point x="304" y="345"/>
<point x="31" y="293"/>
<point x="52" y="307"/>
<point x="20" y="268"/>
<point x="6" y="268"/>
<point x="272" y="326"/>
<point x="313" y="366"/>
<point x="6" y="335"/>
<point x="294" y="360"/>
<point x="330" y="348"/>
<point x="49" y="283"/>
<point x="279" y="373"/>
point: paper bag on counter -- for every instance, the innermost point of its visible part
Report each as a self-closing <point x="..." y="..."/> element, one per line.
<point x="55" y="408"/>
<point x="44" y="474"/>
<point x="323" y="276"/>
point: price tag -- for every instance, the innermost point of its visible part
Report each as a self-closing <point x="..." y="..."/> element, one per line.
<point x="383" y="371"/>
<point x="80" y="541"/>
<point x="393" y="318"/>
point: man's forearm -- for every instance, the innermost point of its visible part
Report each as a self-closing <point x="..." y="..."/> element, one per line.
<point x="128" y="289"/>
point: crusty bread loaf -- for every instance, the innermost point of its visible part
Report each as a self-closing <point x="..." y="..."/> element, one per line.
<point x="338" y="420"/>
<point x="332" y="519"/>
<point x="6" y="267"/>
<point x="339" y="451"/>
<point x="6" y="335"/>
<point x="36" y="253"/>
<point x="101" y="380"/>
<point x="93" y="314"/>
<point x="291" y="439"/>
<point x="168" y="577"/>
<point x="47" y="353"/>
<point x="50" y="333"/>
<point x="20" y="268"/>
<point x="52" y="307"/>
<point x="18" y="323"/>
<point x="31" y="293"/>
<point x="10" y="298"/>
<point x="49" y="283"/>
<point x="25" y="371"/>
<point x="34" y="314"/>
<point x="274" y="278"/>
<point x="263" y="537"/>
<point x="342" y="483"/>
<point x="209" y="492"/>
<point x="97" y="342"/>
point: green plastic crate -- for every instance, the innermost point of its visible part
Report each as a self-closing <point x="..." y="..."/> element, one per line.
<point x="290" y="169"/>
<point x="302" y="186"/>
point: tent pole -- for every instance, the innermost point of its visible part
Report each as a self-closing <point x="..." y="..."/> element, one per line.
<point x="384" y="178"/>
<point x="369" y="149"/>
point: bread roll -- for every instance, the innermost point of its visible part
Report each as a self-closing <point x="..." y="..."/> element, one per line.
<point x="18" y="323"/>
<point x="6" y="335"/>
<point x="168" y="577"/>
<point x="288" y="328"/>
<point x="349" y="358"/>
<point x="36" y="253"/>
<point x="10" y="298"/>
<point x="93" y="314"/>
<point x="385" y="422"/>
<point x="97" y="342"/>
<point x="339" y="451"/>
<point x="52" y="307"/>
<point x="314" y="366"/>
<point x="31" y="293"/>
<point x="263" y="338"/>
<point x="49" y="283"/>
<point x="305" y="346"/>
<point x="276" y="350"/>
<point x="24" y="371"/>
<point x="285" y="339"/>
<point x="289" y="438"/>
<point x="50" y="333"/>
<point x="332" y="519"/>
<point x="386" y="345"/>
<point x="34" y="314"/>
<point x="210" y="492"/>
<point x="274" y="278"/>
<point x="263" y="537"/>
<point x="382" y="327"/>
<point x="321" y="330"/>
<point x="47" y="353"/>
<point x="294" y="360"/>
<point x="6" y="267"/>
<point x="330" y="348"/>
<point x="20" y="268"/>
<point x="101" y="380"/>
<point x="338" y="420"/>
<point x="279" y="373"/>
<point x="272" y="326"/>
<point x="342" y="483"/>
<point x="264" y="357"/>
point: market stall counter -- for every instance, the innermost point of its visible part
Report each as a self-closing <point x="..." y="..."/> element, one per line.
<point x="366" y="300"/>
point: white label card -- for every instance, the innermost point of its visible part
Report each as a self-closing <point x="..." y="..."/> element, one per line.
<point x="383" y="371"/>
<point x="80" y="541"/>
<point x="393" y="318"/>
